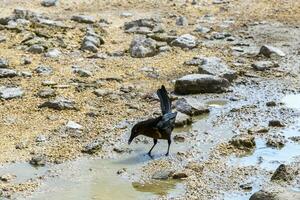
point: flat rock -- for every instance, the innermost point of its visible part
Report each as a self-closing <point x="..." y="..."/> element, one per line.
<point x="36" y="49"/>
<point x="93" y="147"/>
<point x="46" y="93"/>
<point x="83" y="72"/>
<point x="143" y="26"/>
<point x="185" y="41"/>
<point x="162" y="175"/>
<point x="59" y="103"/>
<point x="38" y="160"/>
<point x="191" y="108"/>
<point x="10" y="92"/>
<point x="182" y="119"/>
<point x="53" y="53"/>
<point x="74" y="125"/>
<point x="200" y="83"/>
<point x="142" y="47"/>
<point x="202" y="29"/>
<point x="268" y="51"/>
<point x="44" y="70"/>
<point x="215" y="66"/>
<point x="264" y="65"/>
<point x="275" y="195"/>
<point x="4" y="63"/>
<point x="49" y="3"/>
<point x="182" y="21"/>
<point x="83" y="19"/>
<point x="7" y="73"/>
<point x="276" y="123"/>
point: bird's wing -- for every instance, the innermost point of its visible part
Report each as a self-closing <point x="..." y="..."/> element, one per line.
<point x="167" y="122"/>
<point x="165" y="102"/>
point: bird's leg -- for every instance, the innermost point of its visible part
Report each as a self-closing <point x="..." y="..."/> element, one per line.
<point x="155" y="142"/>
<point x="169" y="143"/>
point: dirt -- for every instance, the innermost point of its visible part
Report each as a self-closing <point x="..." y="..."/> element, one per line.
<point x="239" y="111"/>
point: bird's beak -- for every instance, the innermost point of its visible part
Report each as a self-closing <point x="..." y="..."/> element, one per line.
<point x="129" y="141"/>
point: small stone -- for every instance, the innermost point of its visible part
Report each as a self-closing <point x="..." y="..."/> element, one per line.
<point x="10" y="92"/>
<point x="276" y="142"/>
<point x="243" y="143"/>
<point x="200" y="83"/>
<point x="74" y="125"/>
<point x="92" y="147"/>
<point x="41" y="138"/>
<point x="185" y="41"/>
<point x="2" y="38"/>
<point x="26" y="61"/>
<point x="215" y="66"/>
<point x="246" y="186"/>
<point x="53" y="53"/>
<point x="282" y="173"/>
<point x="83" y="72"/>
<point x="268" y="51"/>
<point x="264" y="65"/>
<point x="7" y="73"/>
<point x="191" y="108"/>
<point x="271" y="104"/>
<point x="59" y="103"/>
<point x="36" y="49"/>
<point x="201" y="29"/>
<point x="182" y="21"/>
<point x="182" y="120"/>
<point x="7" y="178"/>
<point x="84" y="19"/>
<point x="38" y="160"/>
<point x="162" y="175"/>
<point x="179" y="175"/>
<point x="26" y="74"/>
<point x="142" y="47"/>
<point x="179" y="138"/>
<point x="49" y="3"/>
<point x="102" y="92"/>
<point x="126" y="14"/>
<point x="164" y="49"/>
<point x="44" y="70"/>
<point x="4" y="63"/>
<point x="46" y="93"/>
<point x="276" y="123"/>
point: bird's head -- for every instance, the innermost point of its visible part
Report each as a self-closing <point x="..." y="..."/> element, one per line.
<point x="135" y="131"/>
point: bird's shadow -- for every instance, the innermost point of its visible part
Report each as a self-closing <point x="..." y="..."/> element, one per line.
<point x="138" y="158"/>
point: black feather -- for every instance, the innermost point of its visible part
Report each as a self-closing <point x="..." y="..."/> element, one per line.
<point x="165" y="102"/>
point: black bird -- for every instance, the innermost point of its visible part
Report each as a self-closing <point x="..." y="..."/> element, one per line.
<point x="160" y="127"/>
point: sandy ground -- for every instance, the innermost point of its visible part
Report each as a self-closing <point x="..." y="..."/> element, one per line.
<point x="22" y="121"/>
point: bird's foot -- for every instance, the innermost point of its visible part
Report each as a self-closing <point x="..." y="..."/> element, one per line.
<point x="149" y="154"/>
<point x="167" y="154"/>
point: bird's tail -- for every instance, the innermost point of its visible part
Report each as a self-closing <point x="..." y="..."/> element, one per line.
<point x="165" y="102"/>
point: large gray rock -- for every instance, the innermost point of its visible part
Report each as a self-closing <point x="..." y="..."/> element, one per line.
<point x="283" y="173"/>
<point x="268" y="51"/>
<point x="59" y="103"/>
<point x="4" y="63"/>
<point x="84" y="19"/>
<point x="10" y="92"/>
<point x="185" y="41"/>
<point x="215" y="66"/>
<point x="143" y="26"/>
<point x="7" y="73"/>
<point x="182" y="119"/>
<point x="141" y="47"/>
<point x="200" y="83"/>
<point x="190" y="107"/>
<point x="49" y="3"/>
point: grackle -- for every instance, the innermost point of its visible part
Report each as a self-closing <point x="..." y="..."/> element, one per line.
<point x="160" y="127"/>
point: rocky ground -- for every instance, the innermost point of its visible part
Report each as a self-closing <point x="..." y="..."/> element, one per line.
<point x="75" y="76"/>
